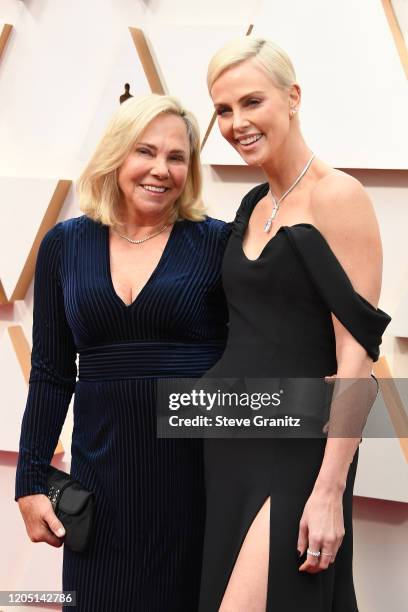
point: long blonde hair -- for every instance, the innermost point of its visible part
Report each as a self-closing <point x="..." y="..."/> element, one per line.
<point x="98" y="189"/>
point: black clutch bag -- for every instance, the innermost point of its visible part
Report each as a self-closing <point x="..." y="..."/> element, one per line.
<point x="74" y="507"/>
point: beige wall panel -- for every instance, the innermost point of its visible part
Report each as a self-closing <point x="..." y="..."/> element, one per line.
<point x="380" y="555"/>
<point x="400" y="9"/>
<point x="23" y="354"/>
<point x="21" y="349"/>
<point x="44" y="124"/>
<point x="397" y="34"/>
<point x="62" y="53"/>
<point x="189" y="84"/>
<point x="5" y="31"/>
<point x="396" y="403"/>
<point x="382" y="470"/>
<point x="399" y="324"/>
<point x="11" y="404"/>
<point x="15" y="358"/>
<point x="29" y="208"/>
<point x="386" y="456"/>
<point x="147" y="61"/>
<point x="23" y="565"/>
<point x="125" y="67"/>
<point x="10" y="10"/>
<point x="355" y="91"/>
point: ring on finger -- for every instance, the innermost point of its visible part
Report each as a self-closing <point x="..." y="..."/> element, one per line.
<point x="314" y="553"/>
<point x="326" y="554"/>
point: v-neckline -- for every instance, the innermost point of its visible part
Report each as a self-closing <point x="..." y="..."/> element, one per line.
<point x="150" y="279"/>
<point x="264" y="191"/>
<point x="265" y="245"/>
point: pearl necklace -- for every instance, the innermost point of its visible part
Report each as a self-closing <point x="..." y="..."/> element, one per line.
<point x="140" y="240"/>
<point x="276" y="203"/>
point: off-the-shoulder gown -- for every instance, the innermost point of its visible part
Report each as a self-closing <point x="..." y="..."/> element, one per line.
<point x="146" y="550"/>
<point x="280" y="309"/>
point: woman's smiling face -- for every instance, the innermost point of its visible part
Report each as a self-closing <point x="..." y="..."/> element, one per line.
<point x="154" y="174"/>
<point x="253" y="114"/>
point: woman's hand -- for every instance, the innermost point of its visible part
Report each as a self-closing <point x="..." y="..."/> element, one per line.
<point x="41" y="522"/>
<point x="321" y="529"/>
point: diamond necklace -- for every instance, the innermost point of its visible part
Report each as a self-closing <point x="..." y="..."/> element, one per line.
<point x="276" y="203"/>
<point x="140" y="240"/>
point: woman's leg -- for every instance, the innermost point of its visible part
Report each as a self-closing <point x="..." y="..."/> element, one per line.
<point x="248" y="584"/>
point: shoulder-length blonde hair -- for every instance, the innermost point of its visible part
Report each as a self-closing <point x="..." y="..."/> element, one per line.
<point x="98" y="189"/>
<point x="274" y="60"/>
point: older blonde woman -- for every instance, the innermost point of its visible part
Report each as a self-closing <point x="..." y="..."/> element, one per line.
<point x="302" y="274"/>
<point x="133" y="286"/>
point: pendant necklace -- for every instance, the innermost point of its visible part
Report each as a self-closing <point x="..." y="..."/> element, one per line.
<point x="276" y="203"/>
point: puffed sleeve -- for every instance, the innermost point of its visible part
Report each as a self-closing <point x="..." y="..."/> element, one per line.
<point x="53" y="371"/>
<point x="365" y="322"/>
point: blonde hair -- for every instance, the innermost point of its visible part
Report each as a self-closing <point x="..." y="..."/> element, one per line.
<point x="264" y="52"/>
<point x="98" y="189"/>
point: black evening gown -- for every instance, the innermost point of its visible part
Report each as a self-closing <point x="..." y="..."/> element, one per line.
<point x="146" y="550"/>
<point x="280" y="309"/>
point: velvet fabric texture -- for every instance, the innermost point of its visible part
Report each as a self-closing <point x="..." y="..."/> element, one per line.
<point x="146" y="548"/>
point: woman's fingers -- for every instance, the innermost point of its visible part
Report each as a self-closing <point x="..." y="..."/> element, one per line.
<point x="54" y="523"/>
<point x="317" y="562"/>
<point x="311" y="564"/>
<point x="321" y="531"/>
<point x="42" y="533"/>
<point x="302" y="538"/>
<point x="329" y="551"/>
<point x="326" y="557"/>
<point x="41" y="522"/>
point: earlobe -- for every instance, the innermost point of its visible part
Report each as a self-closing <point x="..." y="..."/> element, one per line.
<point x="294" y="99"/>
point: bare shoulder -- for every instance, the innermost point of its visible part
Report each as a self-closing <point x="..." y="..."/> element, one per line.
<point x="341" y="205"/>
<point x="343" y="212"/>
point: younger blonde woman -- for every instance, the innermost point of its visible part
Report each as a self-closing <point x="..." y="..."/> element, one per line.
<point x="302" y="276"/>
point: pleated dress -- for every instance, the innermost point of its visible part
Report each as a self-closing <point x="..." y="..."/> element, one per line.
<point x="280" y="309"/>
<point x="145" y="553"/>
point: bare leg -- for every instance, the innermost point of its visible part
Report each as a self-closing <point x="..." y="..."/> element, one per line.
<point x="248" y="584"/>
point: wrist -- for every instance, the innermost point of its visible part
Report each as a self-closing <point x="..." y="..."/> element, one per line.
<point x="329" y="486"/>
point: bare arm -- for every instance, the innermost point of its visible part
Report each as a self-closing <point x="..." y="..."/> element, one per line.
<point x="345" y="217"/>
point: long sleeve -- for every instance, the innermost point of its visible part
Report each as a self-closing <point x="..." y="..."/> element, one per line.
<point x="53" y="371"/>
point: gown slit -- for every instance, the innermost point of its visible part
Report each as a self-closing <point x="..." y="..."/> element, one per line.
<point x="241" y="563"/>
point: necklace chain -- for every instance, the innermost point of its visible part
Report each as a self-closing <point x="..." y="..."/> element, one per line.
<point x="269" y="221"/>
<point x="140" y="240"/>
<point x="276" y="203"/>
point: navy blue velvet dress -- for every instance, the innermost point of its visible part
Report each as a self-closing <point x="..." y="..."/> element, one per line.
<point x="146" y="550"/>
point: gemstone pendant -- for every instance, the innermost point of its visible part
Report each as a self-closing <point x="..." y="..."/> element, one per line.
<point x="268" y="225"/>
<point x="269" y="221"/>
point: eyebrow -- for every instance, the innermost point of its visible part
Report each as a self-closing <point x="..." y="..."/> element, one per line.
<point x="248" y="95"/>
<point x="151" y="146"/>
